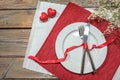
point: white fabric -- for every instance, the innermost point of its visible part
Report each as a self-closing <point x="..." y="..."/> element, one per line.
<point x="40" y="31"/>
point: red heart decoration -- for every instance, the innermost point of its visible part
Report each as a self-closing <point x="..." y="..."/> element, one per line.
<point x="44" y="17"/>
<point x="51" y="12"/>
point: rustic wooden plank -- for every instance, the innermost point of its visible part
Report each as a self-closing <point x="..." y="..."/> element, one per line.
<point x="5" y="64"/>
<point x="86" y="3"/>
<point x="13" y="42"/>
<point x="24" y="18"/>
<point x="16" y="18"/>
<point x="16" y="71"/>
<point x="18" y="4"/>
<point x="83" y="3"/>
<point x="31" y="4"/>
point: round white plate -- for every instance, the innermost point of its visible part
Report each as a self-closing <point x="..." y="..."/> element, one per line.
<point x="69" y="36"/>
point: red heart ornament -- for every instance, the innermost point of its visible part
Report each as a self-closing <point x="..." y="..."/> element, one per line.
<point x="51" y="12"/>
<point x="44" y="17"/>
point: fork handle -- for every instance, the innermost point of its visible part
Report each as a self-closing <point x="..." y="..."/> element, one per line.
<point x="91" y="60"/>
<point x="83" y="61"/>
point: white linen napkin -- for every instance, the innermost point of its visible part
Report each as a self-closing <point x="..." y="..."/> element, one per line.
<point x="39" y="33"/>
<point x="117" y="74"/>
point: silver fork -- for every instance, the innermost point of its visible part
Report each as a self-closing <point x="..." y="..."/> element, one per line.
<point x="84" y="36"/>
<point x="81" y="33"/>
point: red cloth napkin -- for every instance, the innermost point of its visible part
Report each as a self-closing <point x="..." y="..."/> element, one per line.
<point x="74" y="13"/>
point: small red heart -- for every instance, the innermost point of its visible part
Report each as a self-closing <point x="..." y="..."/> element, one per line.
<point x="44" y="17"/>
<point x="51" y="12"/>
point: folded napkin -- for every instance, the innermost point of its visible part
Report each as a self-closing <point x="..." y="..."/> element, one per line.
<point x="74" y="13"/>
<point x="39" y="33"/>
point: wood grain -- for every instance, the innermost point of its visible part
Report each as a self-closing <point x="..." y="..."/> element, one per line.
<point x="86" y="3"/>
<point x="83" y="3"/>
<point x="5" y="64"/>
<point x="18" y="4"/>
<point x="23" y="18"/>
<point x="16" y="71"/>
<point x="31" y="4"/>
<point x="16" y="18"/>
<point x="13" y="42"/>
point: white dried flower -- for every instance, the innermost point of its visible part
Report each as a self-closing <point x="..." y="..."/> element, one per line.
<point x="109" y="10"/>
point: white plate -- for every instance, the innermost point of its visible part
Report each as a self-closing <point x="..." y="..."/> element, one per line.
<point x="68" y="37"/>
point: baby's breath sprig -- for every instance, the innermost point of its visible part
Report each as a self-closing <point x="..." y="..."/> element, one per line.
<point x="108" y="10"/>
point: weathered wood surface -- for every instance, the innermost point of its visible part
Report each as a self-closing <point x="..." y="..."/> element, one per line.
<point x="11" y="18"/>
<point x="13" y="42"/>
<point x="5" y="64"/>
<point x="18" y="4"/>
<point x="31" y="4"/>
<point x="16" y="71"/>
<point x="16" y="18"/>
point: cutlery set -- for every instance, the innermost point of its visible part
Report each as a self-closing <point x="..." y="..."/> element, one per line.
<point x="84" y="34"/>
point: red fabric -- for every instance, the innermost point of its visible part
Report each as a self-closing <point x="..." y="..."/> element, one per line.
<point x="74" y="13"/>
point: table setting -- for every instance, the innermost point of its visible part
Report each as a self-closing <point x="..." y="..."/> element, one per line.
<point x="73" y="43"/>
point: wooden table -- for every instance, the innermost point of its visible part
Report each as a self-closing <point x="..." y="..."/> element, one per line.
<point x="16" y="18"/>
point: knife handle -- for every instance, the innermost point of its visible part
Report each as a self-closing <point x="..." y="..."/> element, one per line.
<point x="91" y="60"/>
